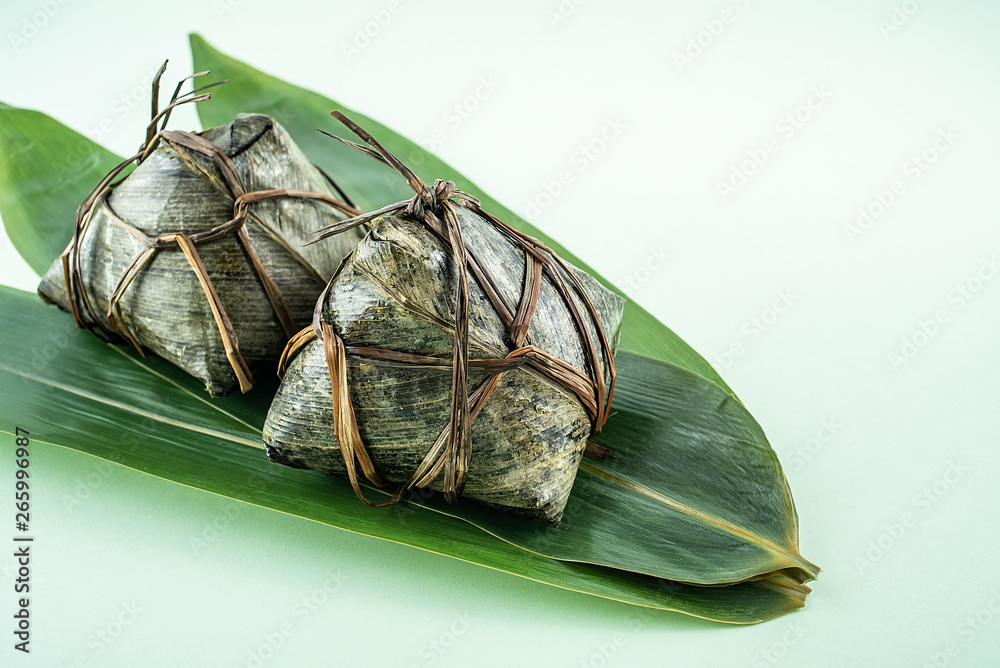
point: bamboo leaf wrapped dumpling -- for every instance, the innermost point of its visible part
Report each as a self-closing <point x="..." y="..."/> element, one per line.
<point x="480" y="372"/>
<point x="197" y="255"/>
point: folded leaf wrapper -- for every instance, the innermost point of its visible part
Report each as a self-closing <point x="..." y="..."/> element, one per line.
<point x="394" y="308"/>
<point x="239" y="200"/>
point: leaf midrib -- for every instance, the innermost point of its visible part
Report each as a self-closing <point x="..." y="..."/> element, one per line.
<point x="135" y="410"/>
<point x="718" y="522"/>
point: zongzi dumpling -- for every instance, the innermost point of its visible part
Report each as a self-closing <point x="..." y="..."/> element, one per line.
<point x="197" y="255"/>
<point x="538" y="335"/>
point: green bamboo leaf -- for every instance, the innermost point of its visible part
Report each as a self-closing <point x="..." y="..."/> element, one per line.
<point x="705" y="463"/>
<point x="41" y="161"/>
<point x="690" y="467"/>
<point x="373" y="185"/>
<point x="177" y="433"/>
<point x="679" y="426"/>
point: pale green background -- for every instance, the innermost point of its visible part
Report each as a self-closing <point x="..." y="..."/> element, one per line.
<point x="132" y="539"/>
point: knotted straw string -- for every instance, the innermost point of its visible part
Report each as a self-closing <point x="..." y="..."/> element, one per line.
<point x="182" y="143"/>
<point x="450" y="453"/>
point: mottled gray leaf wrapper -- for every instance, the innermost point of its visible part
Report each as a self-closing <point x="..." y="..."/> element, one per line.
<point x="165" y="306"/>
<point x="398" y="291"/>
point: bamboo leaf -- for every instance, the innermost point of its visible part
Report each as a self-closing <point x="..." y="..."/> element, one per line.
<point x="693" y="494"/>
<point x="693" y="491"/>
<point x="41" y="161"/>
<point x="678" y="427"/>
<point x="176" y="433"/>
